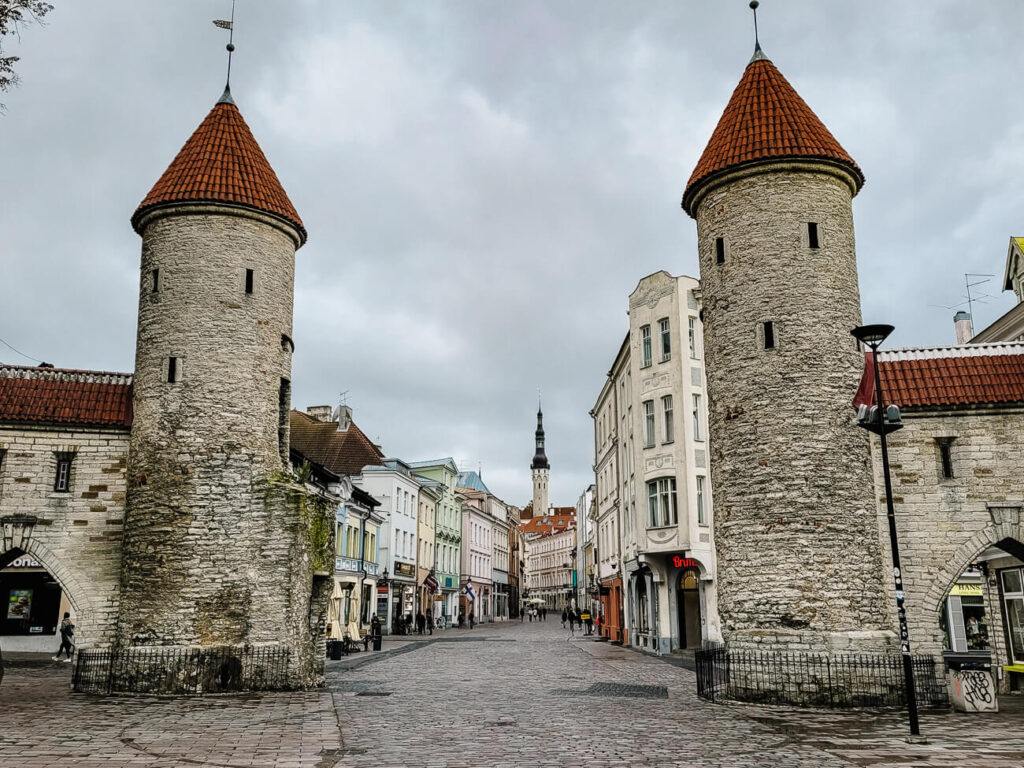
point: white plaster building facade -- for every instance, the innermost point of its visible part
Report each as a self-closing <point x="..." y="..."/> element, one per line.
<point x="394" y="485"/>
<point x="654" y="501"/>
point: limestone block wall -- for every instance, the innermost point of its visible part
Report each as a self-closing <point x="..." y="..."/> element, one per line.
<point x="209" y="545"/>
<point x="77" y="534"/>
<point x="944" y="523"/>
<point x="795" y="528"/>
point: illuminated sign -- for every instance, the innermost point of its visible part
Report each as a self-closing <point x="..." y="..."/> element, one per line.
<point x="969" y="590"/>
<point x="685" y="562"/>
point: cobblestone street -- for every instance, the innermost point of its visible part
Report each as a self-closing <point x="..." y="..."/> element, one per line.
<point x="505" y="695"/>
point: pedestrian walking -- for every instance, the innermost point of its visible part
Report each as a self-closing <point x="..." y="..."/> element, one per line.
<point x="564" y="616"/>
<point x="421" y="622"/>
<point x="590" y="624"/>
<point x="67" y="641"/>
<point x="462" y="619"/>
<point x="470" y="618"/>
<point x="572" y="627"/>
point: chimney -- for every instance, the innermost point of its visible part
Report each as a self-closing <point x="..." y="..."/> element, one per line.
<point x="964" y="327"/>
<point x="343" y="415"/>
<point x="319" y="412"/>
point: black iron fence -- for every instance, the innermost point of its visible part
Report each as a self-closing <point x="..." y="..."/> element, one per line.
<point x="180" y="670"/>
<point x="816" y="679"/>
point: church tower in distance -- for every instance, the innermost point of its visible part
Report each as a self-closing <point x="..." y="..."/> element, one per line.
<point x="540" y="469"/>
<point x="799" y="559"/>
<point x="218" y="551"/>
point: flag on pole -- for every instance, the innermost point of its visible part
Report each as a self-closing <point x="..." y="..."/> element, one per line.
<point x="866" y="391"/>
<point x="431" y="582"/>
<point x="222" y="24"/>
<point x="470" y="595"/>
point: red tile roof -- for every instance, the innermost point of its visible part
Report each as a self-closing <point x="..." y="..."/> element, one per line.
<point x="344" y="453"/>
<point x="221" y="162"/>
<point x="546" y="525"/>
<point x="61" y="396"/>
<point x="953" y="381"/>
<point x="765" y="120"/>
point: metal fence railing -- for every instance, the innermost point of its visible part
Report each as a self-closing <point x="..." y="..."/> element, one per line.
<point x="182" y="670"/>
<point x="816" y="679"/>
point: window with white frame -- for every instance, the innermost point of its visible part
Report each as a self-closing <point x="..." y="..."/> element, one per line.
<point x="648" y="423"/>
<point x="645" y="344"/>
<point x="697" y="433"/>
<point x="666" y="339"/>
<point x="661" y="502"/>
<point x="692" y="335"/>
<point x="666" y="407"/>
<point x="702" y="515"/>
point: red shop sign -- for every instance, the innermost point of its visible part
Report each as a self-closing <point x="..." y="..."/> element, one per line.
<point x="685" y="562"/>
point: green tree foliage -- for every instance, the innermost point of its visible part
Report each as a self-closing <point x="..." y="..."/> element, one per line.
<point x="14" y="15"/>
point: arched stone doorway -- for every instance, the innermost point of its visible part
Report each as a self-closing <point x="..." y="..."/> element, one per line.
<point x="33" y="600"/>
<point x="974" y="607"/>
<point x="688" y="611"/>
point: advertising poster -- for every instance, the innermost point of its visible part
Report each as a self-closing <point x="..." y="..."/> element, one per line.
<point x="19" y="606"/>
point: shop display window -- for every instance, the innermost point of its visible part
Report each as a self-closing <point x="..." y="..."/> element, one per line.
<point x="1013" y="601"/>
<point x="964" y="621"/>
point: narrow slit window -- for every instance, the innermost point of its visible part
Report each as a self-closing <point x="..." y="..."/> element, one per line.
<point x="812" y="234"/>
<point x="769" y="335"/>
<point x="720" y="250"/>
<point x="248" y="281"/>
<point x="946" y="458"/>
<point x="156" y="281"/>
<point x="173" y="374"/>
<point x="284" y="399"/>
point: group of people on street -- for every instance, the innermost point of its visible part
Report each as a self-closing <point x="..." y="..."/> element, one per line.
<point x="576" y="617"/>
<point x="463" y="618"/>
<point x="540" y="613"/>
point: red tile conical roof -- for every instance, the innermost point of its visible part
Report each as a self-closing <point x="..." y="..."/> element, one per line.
<point x="221" y="162"/>
<point x="765" y="120"/>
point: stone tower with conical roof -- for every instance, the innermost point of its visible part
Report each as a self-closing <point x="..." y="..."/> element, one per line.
<point x="217" y="551"/>
<point x="797" y="540"/>
<point x="540" y="469"/>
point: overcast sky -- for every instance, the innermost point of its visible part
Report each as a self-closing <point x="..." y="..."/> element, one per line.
<point x="484" y="183"/>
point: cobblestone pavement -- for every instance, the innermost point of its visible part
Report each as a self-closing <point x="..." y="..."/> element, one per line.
<point x="499" y="696"/>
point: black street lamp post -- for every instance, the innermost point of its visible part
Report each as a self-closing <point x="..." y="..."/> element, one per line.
<point x="881" y="421"/>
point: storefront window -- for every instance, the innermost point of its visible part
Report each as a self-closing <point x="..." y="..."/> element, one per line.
<point x="1013" y="598"/>
<point x="965" y="624"/>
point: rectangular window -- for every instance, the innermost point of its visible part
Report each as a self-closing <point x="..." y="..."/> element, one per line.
<point x="62" y="480"/>
<point x="661" y="502"/>
<point x="720" y="250"/>
<point x="156" y="280"/>
<point x="666" y="340"/>
<point x="692" y="335"/>
<point x="701" y="514"/>
<point x="248" y="281"/>
<point x="648" y="423"/>
<point x="946" y="458"/>
<point x="697" y="434"/>
<point x="769" y="335"/>
<point x="666" y="406"/>
<point x="812" y="234"/>
<point x="645" y="342"/>
<point x="173" y="374"/>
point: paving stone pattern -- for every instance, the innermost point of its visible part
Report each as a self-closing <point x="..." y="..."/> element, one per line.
<point x="492" y="697"/>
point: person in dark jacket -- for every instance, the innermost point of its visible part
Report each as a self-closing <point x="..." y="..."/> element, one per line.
<point x="421" y="623"/>
<point x="67" y="642"/>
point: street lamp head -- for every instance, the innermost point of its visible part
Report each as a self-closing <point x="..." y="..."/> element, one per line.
<point x="872" y="335"/>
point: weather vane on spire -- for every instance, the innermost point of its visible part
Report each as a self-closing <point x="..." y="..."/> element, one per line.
<point x="753" y="7"/>
<point x="230" y="26"/>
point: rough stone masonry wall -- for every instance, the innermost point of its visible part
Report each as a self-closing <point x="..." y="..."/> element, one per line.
<point x="76" y="535"/>
<point x="795" y="529"/>
<point x="943" y="524"/>
<point x="210" y="544"/>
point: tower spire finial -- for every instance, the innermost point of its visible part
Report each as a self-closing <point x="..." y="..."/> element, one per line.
<point x="758" y="53"/>
<point x="230" y="26"/>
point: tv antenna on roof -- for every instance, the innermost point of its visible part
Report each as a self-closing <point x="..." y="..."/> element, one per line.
<point x="970" y="299"/>
<point x="343" y="397"/>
